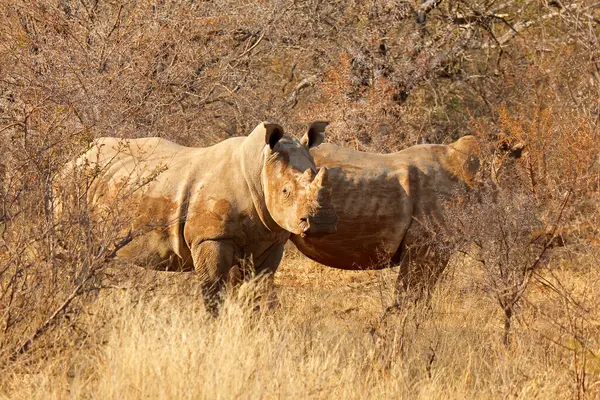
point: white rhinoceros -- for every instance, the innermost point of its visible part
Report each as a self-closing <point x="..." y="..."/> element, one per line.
<point x="384" y="201"/>
<point x="206" y="209"/>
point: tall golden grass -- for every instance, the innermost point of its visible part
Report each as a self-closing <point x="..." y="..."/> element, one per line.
<point x="328" y="338"/>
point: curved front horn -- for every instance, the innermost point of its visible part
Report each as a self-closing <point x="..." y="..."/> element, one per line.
<point x="322" y="177"/>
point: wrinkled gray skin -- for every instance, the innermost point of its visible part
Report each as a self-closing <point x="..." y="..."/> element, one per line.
<point x="382" y="201"/>
<point x="209" y="208"/>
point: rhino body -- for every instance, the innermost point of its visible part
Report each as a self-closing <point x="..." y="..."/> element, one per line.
<point x="207" y="209"/>
<point x="384" y="201"/>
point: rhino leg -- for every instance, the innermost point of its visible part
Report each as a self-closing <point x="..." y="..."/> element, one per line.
<point x="212" y="261"/>
<point x="268" y="269"/>
<point x="271" y="262"/>
<point x="420" y="270"/>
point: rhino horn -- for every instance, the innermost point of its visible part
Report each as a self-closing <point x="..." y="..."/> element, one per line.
<point x="322" y="178"/>
<point x="307" y="177"/>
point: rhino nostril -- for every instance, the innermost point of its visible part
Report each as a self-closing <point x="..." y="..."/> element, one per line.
<point x="304" y="226"/>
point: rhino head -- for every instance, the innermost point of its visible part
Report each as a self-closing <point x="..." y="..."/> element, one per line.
<point x="296" y="194"/>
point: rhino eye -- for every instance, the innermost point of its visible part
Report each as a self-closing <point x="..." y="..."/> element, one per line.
<point x="286" y="191"/>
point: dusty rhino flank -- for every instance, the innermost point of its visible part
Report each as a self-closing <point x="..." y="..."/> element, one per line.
<point x="383" y="200"/>
<point x="209" y="208"/>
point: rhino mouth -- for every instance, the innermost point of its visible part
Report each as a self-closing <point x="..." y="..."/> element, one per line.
<point x="322" y="222"/>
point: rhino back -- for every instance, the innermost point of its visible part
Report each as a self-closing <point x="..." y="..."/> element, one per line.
<point x="179" y="194"/>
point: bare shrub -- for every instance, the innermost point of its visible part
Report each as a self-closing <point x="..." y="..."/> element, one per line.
<point x="55" y="246"/>
<point x="52" y="264"/>
<point x="526" y="205"/>
<point x="499" y="231"/>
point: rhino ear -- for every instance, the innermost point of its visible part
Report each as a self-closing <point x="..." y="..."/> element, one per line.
<point x="517" y="150"/>
<point x="273" y="133"/>
<point x="514" y="150"/>
<point x="315" y="134"/>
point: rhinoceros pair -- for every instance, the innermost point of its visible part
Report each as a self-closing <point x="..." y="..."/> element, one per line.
<point x="206" y="209"/>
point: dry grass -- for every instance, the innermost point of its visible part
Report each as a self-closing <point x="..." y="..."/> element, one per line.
<point x="327" y="339"/>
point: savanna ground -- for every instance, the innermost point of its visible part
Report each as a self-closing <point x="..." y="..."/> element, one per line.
<point x="329" y="337"/>
<point x="515" y="317"/>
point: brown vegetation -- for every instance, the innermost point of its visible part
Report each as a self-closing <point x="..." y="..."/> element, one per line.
<point x="512" y="316"/>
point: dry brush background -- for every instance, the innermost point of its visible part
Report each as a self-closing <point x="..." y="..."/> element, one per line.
<point x="517" y="318"/>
